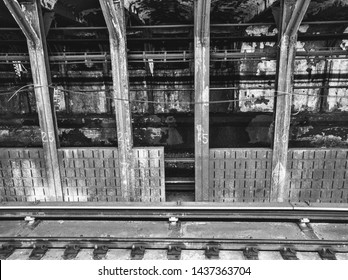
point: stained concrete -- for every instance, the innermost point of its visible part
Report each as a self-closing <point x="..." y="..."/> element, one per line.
<point x="56" y="254"/>
<point x="11" y="228"/>
<point x="242" y="230"/>
<point x="255" y="230"/>
<point x="308" y="256"/>
<point x="155" y="255"/>
<point x="231" y="255"/>
<point x="118" y="254"/>
<point x="102" y="229"/>
<point x="192" y="255"/>
<point x="85" y="254"/>
<point x="265" y="255"/>
<point x="331" y="231"/>
<point x="342" y="256"/>
<point x="20" y="254"/>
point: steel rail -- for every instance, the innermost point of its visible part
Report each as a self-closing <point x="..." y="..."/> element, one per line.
<point x="183" y="212"/>
<point x="304" y="245"/>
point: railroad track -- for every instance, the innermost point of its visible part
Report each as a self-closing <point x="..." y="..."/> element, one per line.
<point x="288" y="249"/>
<point x="173" y="230"/>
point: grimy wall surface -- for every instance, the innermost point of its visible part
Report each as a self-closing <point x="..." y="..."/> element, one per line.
<point x="236" y="175"/>
<point x="313" y="175"/>
<point x="87" y="174"/>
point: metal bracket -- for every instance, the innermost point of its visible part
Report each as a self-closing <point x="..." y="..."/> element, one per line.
<point x="71" y="252"/>
<point x="99" y="252"/>
<point x="327" y="254"/>
<point x="306" y="228"/>
<point x="212" y="251"/>
<point x="251" y="253"/>
<point x="138" y="251"/>
<point x="174" y="223"/>
<point x="38" y="252"/>
<point x="288" y="254"/>
<point x="174" y="252"/>
<point x="6" y="251"/>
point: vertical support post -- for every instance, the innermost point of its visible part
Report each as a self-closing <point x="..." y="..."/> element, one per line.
<point x="113" y="12"/>
<point x="202" y="56"/>
<point x="28" y="18"/>
<point x="292" y="15"/>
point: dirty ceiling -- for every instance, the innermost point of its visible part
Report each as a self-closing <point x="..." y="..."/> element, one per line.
<point x="181" y="11"/>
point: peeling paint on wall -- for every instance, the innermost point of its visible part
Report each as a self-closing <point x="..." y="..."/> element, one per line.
<point x="337" y="97"/>
<point x="25" y="136"/>
<point x="260" y="97"/>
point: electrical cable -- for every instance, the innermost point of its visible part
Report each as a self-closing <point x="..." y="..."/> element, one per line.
<point x="88" y="93"/>
<point x="210" y="102"/>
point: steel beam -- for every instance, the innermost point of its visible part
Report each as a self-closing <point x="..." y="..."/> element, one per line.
<point x="201" y="57"/>
<point x="114" y="16"/>
<point x="292" y="15"/>
<point x="28" y="18"/>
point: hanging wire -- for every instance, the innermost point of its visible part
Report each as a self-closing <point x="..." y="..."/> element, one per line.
<point x="280" y="93"/>
<point x="21" y="89"/>
<point x="88" y="93"/>
<point x="18" y="90"/>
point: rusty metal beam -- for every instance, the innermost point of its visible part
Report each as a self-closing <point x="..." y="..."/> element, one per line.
<point x="113" y="12"/>
<point x="28" y="18"/>
<point x="201" y="57"/>
<point x="292" y="15"/>
<point x="19" y="16"/>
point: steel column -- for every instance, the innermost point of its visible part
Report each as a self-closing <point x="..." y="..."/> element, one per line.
<point x="114" y="16"/>
<point x="202" y="56"/>
<point x="28" y="18"/>
<point x="292" y="15"/>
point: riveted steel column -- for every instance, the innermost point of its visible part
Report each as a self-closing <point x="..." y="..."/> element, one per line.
<point x="28" y="18"/>
<point x="114" y="17"/>
<point x="202" y="56"/>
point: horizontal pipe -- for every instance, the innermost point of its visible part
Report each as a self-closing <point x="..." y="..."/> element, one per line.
<point x="168" y="56"/>
<point x="180" y="26"/>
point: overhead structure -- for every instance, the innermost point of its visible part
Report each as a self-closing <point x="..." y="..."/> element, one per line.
<point x="113" y="12"/>
<point x="28" y="17"/>
<point x="201" y="57"/>
<point x="292" y="14"/>
<point x="63" y="10"/>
